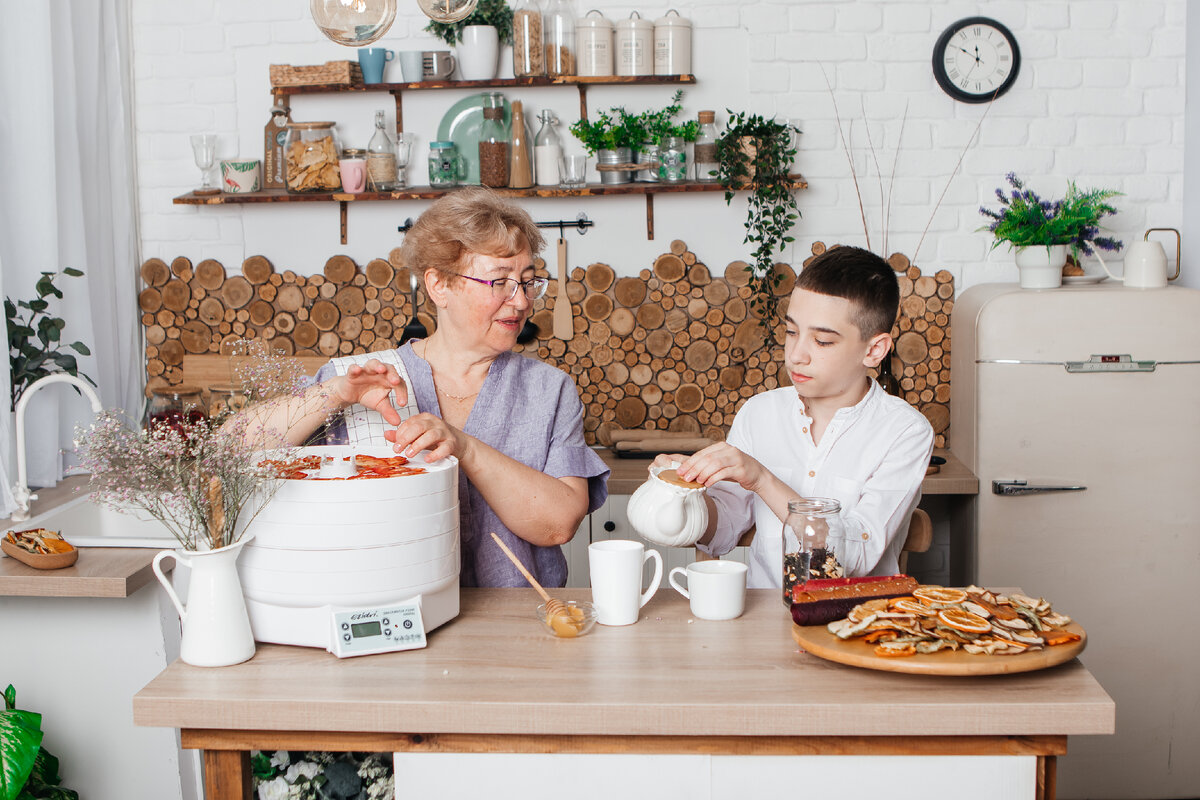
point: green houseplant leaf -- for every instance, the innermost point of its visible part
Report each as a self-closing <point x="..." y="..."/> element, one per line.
<point x="20" y="741"/>
<point x="35" y="344"/>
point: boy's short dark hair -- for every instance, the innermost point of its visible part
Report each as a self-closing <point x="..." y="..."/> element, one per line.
<point x="863" y="278"/>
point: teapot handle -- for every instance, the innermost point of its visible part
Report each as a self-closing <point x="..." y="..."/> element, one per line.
<point x="1178" y="247"/>
<point x="1096" y="253"/>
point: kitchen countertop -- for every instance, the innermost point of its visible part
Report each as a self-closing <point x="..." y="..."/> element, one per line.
<point x="99" y="572"/>
<point x="494" y="670"/>
<point x="954" y="477"/>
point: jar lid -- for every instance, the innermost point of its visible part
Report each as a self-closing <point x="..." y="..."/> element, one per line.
<point x="706" y="117"/>
<point x="227" y="387"/>
<point x="309" y="126"/>
<point x="635" y="21"/>
<point x="588" y="21"/>
<point x="183" y="388"/>
<point x="673" y="22"/>
<point x="441" y="145"/>
<point x="357" y="152"/>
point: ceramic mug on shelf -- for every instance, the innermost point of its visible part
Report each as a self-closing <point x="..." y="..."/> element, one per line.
<point x="372" y="60"/>
<point x="354" y="174"/>
<point x="716" y="590"/>
<point x="437" y="65"/>
<point x="412" y="65"/>
<point x="241" y="176"/>
<point x="615" y="566"/>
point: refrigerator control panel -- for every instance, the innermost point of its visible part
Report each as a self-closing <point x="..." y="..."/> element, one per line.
<point x="1110" y="363"/>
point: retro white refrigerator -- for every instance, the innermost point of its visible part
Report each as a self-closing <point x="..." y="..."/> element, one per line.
<point x="1079" y="410"/>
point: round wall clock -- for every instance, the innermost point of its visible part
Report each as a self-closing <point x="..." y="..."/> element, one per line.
<point x="976" y="60"/>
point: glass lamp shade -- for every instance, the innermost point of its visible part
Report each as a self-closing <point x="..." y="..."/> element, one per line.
<point x="353" y="23"/>
<point x="447" y="10"/>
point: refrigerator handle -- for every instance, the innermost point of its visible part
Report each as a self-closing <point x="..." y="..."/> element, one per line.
<point x="1015" y="487"/>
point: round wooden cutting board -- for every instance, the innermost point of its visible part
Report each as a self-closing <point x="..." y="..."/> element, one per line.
<point x="856" y="653"/>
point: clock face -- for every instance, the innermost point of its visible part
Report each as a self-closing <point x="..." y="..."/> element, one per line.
<point x="976" y="60"/>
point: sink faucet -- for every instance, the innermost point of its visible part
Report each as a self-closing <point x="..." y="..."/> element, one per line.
<point x="21" y="491"/>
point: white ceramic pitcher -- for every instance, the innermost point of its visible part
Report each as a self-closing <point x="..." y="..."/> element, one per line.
<point x="1146" y="262"/>
<point x="216" y="628"/>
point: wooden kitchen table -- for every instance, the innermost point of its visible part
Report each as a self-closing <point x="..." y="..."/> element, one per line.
<point x="487" y="683"/>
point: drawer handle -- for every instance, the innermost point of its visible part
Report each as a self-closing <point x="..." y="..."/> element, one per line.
<point x="1022" y="487"/>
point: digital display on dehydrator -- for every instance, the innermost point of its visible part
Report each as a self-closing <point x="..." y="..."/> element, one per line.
<point x="360" y="629"/>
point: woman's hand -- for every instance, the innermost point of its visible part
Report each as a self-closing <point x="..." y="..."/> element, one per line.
<point x="721" y="462"/>
<point x="372" y="385"/>
<point x="428" y="432"/>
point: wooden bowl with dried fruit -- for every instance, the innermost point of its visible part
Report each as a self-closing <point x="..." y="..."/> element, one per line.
<point x="39" y="548"/>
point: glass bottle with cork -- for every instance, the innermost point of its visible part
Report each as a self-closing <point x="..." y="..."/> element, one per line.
<point x="887" y="378"/>
<point x="274" y="140"/>
<point x="381" y="159"/>
<point x="493" y="143"/>
<point x="520" y="164"/>
<point x="704" y="151"/>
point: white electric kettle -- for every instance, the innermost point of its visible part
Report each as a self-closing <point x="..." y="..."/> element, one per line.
<point x="1146" y="263"/>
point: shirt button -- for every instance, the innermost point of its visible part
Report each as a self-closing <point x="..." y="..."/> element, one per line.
<point x="812" y="474"/>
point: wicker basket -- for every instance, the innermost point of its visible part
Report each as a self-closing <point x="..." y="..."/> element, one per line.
<point x="331" y="73"/>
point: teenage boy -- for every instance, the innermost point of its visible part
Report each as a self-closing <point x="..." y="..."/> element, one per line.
<point x="833" y="433"/>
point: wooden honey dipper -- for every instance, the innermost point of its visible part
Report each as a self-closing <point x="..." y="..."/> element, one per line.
<point x="554" y="607"/>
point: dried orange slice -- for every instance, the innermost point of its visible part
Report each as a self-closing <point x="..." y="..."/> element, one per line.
<point x="910" y="606"/>
<point x="939" y="595"/>
<point x="964" y="620"/>
<point x="1054" y="637"/>
<point x="909" y="649"/>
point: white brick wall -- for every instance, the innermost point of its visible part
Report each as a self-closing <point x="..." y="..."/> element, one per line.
<point x="1100" y="100"/>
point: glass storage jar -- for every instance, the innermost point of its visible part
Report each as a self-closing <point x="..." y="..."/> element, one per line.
<point x="310" y="160"/>
<point x="446" y="166"/>
<point x="175" y="407"/>
<point x="814" y="542"/>
<point x="493" y="143"/>
<point x="528" y="55"/>
<point x="558" y="32"/>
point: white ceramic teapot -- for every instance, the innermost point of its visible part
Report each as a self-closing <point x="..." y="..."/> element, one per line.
<point x="1146" y="263"/>
<point x="666" y="513"/>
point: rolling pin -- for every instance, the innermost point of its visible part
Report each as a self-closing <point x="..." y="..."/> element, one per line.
<point x="643" y="435"/>
<point x="663" y="445"/>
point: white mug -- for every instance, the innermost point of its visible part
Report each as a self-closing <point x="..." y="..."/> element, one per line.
<point x="715" y="590"/>
<point x="616" y="571"/>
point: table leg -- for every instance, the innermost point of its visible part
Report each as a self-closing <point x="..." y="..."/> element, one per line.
<point x="1047" y="777"/>
<point x="227" y="775"/>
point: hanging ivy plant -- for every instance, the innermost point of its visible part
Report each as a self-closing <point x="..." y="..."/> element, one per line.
<point x="756" y="153"/>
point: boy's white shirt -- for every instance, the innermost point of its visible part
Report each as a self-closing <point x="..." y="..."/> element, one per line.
<point x="872" y="459"/>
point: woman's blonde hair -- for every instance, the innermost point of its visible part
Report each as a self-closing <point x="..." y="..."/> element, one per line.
<point x="470" y="220"/>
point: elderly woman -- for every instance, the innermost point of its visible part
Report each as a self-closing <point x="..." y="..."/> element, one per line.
<point x="514" y="423"/>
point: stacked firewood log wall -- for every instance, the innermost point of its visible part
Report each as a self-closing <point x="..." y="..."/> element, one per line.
<point x="675" y="347"/>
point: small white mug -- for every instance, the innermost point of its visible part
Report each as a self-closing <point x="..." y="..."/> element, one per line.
<point x="616" y="571"/>
<point x="716" y="590"/>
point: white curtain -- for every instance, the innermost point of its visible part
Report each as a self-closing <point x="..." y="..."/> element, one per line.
<point x="66" y="136"/>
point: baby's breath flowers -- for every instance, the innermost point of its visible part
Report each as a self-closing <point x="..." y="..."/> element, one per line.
<point x="203" y="480"/>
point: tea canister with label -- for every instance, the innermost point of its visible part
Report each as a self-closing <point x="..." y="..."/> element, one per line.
<point x="672" y="44"/>
<point x="634" y="46"/>
<point x="594" y="45"/>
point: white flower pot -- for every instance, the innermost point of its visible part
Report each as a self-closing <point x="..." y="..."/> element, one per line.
<point x="1041" y="267"/>
<point x="479" y="54"/>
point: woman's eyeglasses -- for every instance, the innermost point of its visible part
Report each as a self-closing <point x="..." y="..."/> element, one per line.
<point x="507" y="287"/>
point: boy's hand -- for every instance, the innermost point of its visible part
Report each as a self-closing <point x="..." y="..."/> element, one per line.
<point x="370" y="385"/>
<point x="722" y="462"/>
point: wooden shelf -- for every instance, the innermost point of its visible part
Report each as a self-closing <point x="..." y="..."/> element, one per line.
<point x="431" y="193"/>
<point x="496" y="83"/>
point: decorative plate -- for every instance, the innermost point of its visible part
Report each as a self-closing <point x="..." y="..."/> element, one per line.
<point x="461" y="125"/>
<point x="1083" y="280"/>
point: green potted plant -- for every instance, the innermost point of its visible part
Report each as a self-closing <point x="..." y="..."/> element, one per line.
<point x="611" y="139"/>
<point x="35" y="347"/>
<point x="477" y="38"/>
<point x="755" y="154"/>
<point x="28" y="771"/>
<point x="1042" y="232"/>
<point x="668" y="139"/>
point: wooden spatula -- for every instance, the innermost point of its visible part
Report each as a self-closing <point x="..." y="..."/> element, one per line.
<point x="563" y="326"/>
